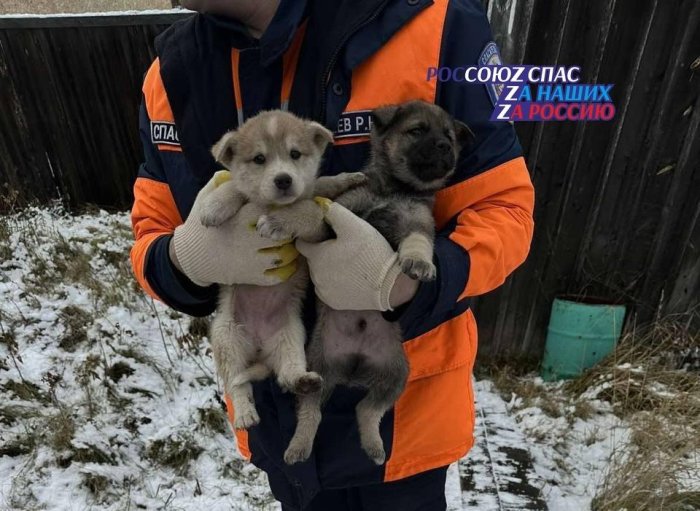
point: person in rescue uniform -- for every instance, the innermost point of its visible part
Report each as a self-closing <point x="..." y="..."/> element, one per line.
<point x="333" y="62"/>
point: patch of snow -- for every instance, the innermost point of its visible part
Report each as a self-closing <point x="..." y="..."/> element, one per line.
<point x="108" y="460"/>
<point x="137" y="382"/>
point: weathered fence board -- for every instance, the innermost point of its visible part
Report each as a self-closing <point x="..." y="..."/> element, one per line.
<point x="617" y="206"/>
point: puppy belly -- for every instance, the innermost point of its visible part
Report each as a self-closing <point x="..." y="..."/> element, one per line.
<point x="262" y="311"/>
<point x="355" y="341"/>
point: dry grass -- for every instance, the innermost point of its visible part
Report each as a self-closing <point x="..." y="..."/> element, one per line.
<point x="73" y="6"/>
<point x="651" y="478"/>
<point x="654" y="368"/>
<point x="653" y="381"/>
<point x="176" y="452"/>
<point x="529" y="393"/>
<point x="70" y="261"/>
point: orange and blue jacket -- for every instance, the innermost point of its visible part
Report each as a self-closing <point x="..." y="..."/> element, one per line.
<point x="334" y="62"/>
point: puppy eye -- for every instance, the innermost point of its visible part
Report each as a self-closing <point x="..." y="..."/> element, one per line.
<point x="259" y="159"/>
<point x="294" y="154"/>
<point x="416" y="131"/>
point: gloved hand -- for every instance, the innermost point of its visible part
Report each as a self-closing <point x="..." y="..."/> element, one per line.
<point x="232" y="253"/>
<point x="357" y="269"/>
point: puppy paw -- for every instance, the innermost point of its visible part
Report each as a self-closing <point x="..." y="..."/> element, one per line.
<point x="375" y="451"/>
<point x="213" y="217"/>
<point x="296" y="453"/>
<point x="246" y="418"/>
<point x="272" y="228"/>
<point x="353" y="179"/>
<point x="308" y="384"/>
<point x="418" y="268"/>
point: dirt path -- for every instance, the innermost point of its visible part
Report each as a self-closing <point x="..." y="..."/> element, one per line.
<point x="498" y="474"/>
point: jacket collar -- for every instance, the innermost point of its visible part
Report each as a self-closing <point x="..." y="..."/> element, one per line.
<point x="276" y="38"/>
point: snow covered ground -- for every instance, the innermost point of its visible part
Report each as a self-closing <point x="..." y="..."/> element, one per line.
<point x="109" y="399"/>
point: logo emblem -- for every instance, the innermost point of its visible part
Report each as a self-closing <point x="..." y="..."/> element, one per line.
<point x="490" y="57"/>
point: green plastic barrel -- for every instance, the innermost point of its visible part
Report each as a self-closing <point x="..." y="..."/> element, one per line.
<point x="579" y="336"/>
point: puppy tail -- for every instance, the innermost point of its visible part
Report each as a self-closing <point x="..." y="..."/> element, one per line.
<point x="256" y="372"/>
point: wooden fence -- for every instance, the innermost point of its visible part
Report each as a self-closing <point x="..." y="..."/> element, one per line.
<point x="617" y="203"/>
<point x="69" y="92"/>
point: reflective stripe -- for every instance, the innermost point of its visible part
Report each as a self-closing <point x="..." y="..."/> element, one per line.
<point x="289" y="66"/>
<point x="235" y="62"/>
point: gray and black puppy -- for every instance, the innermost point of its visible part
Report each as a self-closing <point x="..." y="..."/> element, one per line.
<point x="414" y="149"/>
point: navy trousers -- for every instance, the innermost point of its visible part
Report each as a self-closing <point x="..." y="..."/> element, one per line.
<point x="421" y="492"/>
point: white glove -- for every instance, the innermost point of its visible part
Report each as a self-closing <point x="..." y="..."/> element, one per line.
<point x="357" y="269"/>
<point x="232" y="253"/>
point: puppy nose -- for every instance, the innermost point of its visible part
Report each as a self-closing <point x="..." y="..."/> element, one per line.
<point x="283" y="181"/>
<point x="443" y="146"/>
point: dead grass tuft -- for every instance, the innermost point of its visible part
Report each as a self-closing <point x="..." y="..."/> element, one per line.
<point x="175" y="452"/>
<point x="96" y="484"/>
<point x="92" y="454"/>
<point x="11" y="414"/>
<point x="26" y="391"/>
<point x="213" y="419"/>
<point x="135" y="354"/>
<point x="76" y="322"/>
<point x="527" y="391"/>
<point x="118" y="370"/>
<point x="199" y="327"/>
<point x="62" y="428"/>
<point x="18" y="445"/>
<point x="5" y="247"/>
<point x="583" y="409"/>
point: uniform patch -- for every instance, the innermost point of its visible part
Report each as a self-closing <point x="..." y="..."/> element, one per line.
<point x="490" y="57"/>
<point x="164" y="133"/>
<point x="354" y="124"/>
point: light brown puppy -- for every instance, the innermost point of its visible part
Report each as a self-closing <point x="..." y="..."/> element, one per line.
<point x="274" y="159"/>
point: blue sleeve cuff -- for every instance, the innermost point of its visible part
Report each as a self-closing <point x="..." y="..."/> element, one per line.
<point x="173" y="287"/>
<point x="436" y="301"/>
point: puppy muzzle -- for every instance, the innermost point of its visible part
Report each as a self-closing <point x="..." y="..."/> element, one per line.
<point x="435" y="167"/>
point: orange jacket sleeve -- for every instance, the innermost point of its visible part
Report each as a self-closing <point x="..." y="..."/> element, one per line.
<point x="494" y="222"/>
<point x="156" y="213"/>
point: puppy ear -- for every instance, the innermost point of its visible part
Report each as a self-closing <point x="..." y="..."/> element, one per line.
<point x="224" y="150"/>
<point x="320" y="135"/>
<point x="384" y="117"/>
<point x="464" y="134"/>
